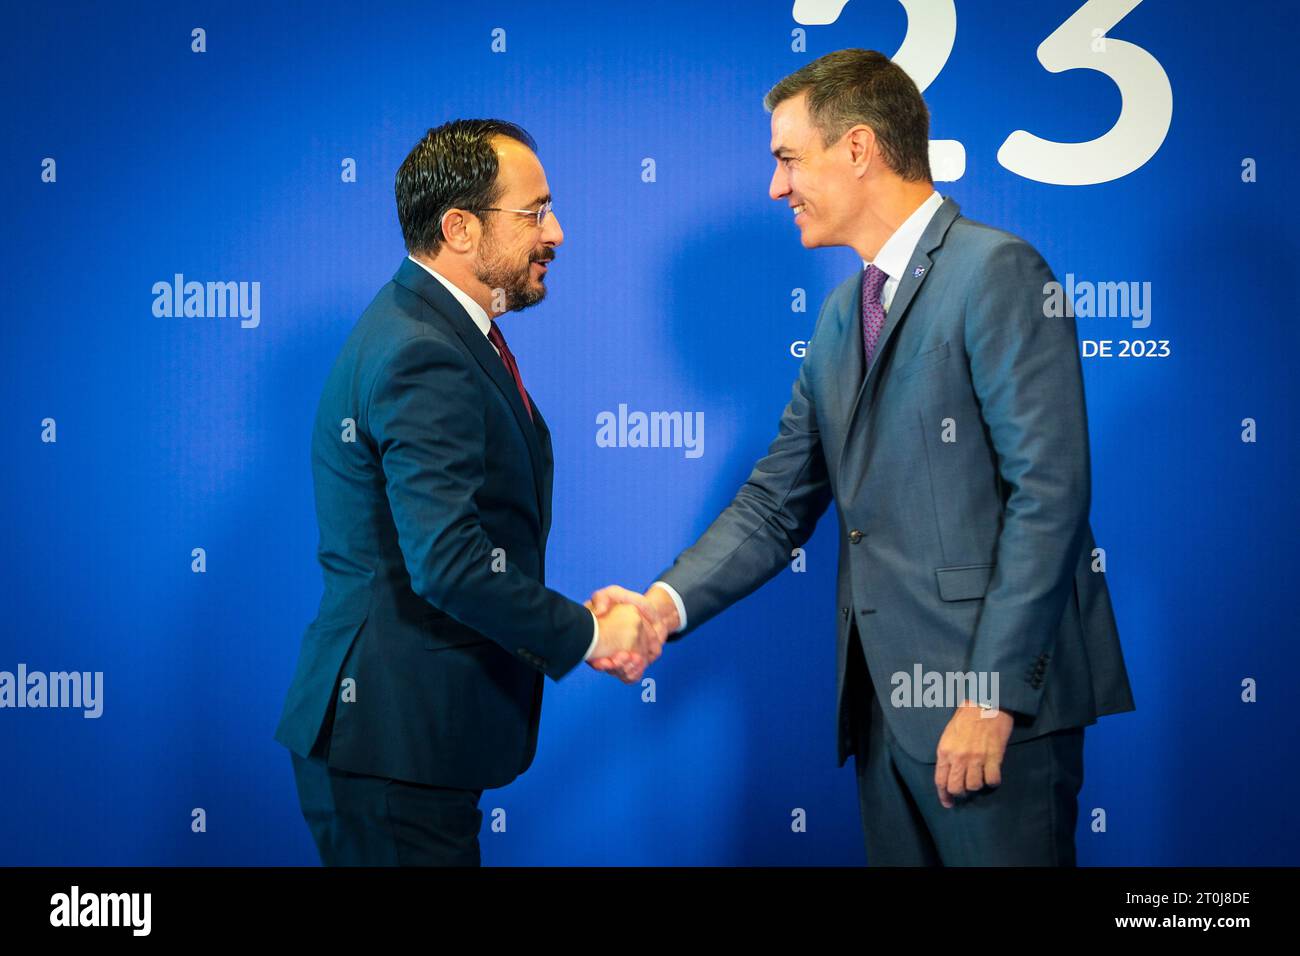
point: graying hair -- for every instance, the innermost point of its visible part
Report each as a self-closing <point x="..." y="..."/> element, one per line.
<point x="848" y="87"/>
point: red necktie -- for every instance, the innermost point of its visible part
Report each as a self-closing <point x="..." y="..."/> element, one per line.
<point x="499" y="340"/>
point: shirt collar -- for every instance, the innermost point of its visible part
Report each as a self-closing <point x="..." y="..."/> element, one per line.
<point x="476" y="311"/>
<point x="894" y="255"/>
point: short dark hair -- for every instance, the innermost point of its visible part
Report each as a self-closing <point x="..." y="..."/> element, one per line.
<point x="452" y="167"/>
<point x="848" y="87"/>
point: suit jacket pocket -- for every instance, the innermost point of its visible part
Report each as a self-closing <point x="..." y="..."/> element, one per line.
<point x="964" y="582"/>
<point x="919" y="363"/>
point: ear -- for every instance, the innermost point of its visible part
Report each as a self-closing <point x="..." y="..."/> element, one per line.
<point x="862" y="145"/>
<point x="460" y="230"/>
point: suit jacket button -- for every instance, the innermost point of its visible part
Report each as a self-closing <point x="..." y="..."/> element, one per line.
<point x="855" y="536"/>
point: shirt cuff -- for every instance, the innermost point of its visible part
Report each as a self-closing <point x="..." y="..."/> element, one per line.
<point x="595" y="636"/>
<point x="677" y="600"/>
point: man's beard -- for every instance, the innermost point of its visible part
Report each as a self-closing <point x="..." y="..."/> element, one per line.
<point x="505" y="277"/>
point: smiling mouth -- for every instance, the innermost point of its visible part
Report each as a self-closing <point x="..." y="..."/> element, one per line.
<point x="797" y="209"/>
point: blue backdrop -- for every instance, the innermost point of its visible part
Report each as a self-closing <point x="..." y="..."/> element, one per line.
<point x="136" y="149"/>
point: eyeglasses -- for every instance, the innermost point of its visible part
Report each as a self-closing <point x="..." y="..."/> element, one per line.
<point x="539" y="214"/>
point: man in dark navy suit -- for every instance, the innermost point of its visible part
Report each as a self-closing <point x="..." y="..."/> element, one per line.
<point x="419" y="683"/>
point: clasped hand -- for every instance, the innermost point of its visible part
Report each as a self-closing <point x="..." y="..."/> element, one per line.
<point x="633" y="629"/>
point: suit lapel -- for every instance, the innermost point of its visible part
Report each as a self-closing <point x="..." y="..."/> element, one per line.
<point x="918" y="270"/>
<point x="548" y="468"/>
<point x="851" y="353"/>
<point x="412" y="276"/>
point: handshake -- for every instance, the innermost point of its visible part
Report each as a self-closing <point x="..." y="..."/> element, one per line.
<point x="633" y="628"/>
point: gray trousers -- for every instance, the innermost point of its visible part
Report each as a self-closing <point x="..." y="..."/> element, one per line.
<point x="1028" y="820"/>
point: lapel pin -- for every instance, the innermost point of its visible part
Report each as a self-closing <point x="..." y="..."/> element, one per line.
<point x="920" y="271"/>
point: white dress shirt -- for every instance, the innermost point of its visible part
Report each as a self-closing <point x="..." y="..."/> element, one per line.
<point x="892" y="260"/>
<point x="896" y="253"/>
<point x="480" y="317"/>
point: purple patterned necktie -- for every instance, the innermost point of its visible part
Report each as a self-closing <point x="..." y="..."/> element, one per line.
<point x="873" y="313"/>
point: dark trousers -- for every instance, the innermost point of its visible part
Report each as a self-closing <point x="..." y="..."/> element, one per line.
<point x="360" y="820"/>
<point x="1028" y="820"/>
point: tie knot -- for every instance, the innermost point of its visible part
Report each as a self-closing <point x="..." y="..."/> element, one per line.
<point x="873" y="280"/>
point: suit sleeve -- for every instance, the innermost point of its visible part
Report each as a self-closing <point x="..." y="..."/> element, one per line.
<point x="430" y="430"/>
<point x="1028" y="381"/>
<point x="774" y="512"/>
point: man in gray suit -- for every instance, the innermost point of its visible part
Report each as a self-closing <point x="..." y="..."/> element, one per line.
<point x="942" y="408"/>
